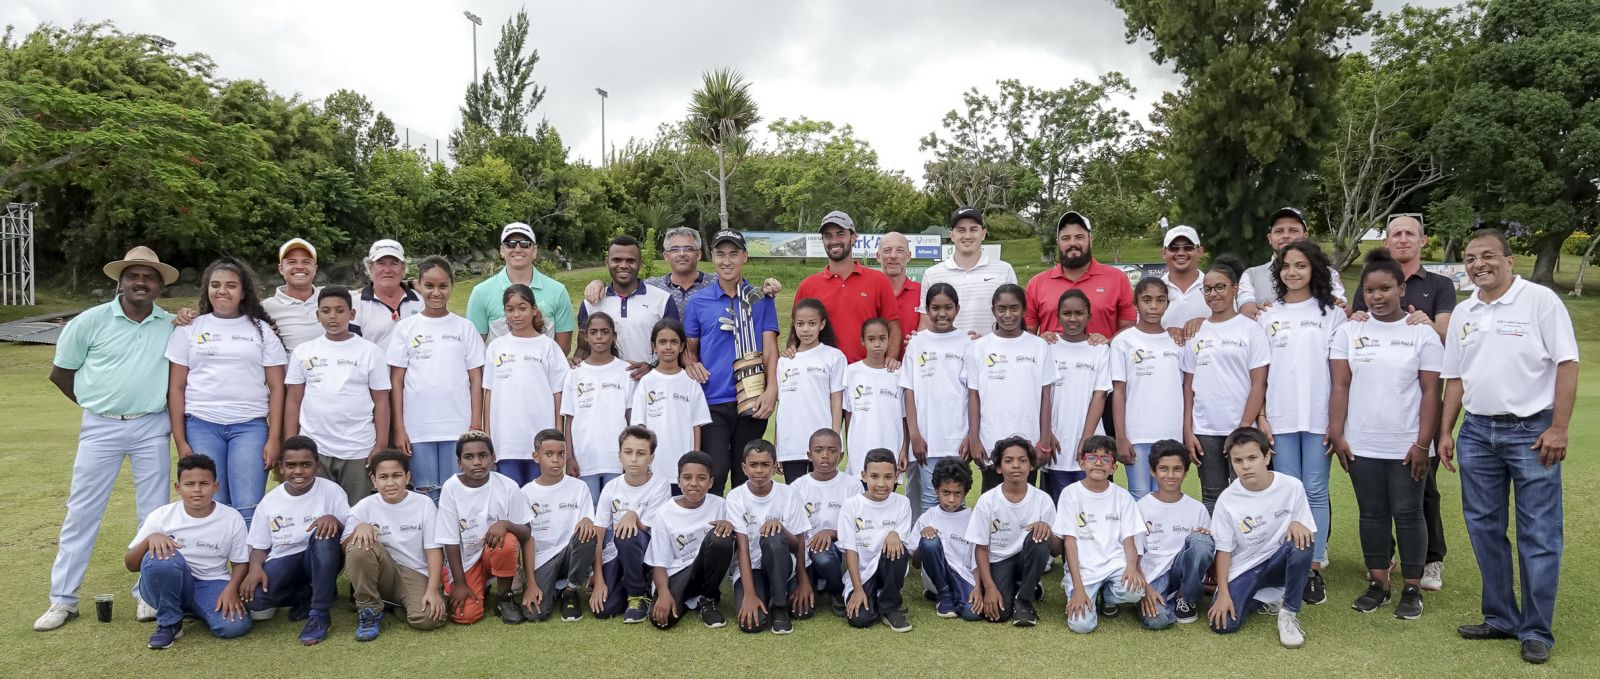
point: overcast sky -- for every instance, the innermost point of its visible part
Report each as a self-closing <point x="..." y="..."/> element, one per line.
<point x="890" y="69"/>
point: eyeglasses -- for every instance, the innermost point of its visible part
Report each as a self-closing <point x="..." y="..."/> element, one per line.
<point x="1215" y="289"/>
<point x="1103" y="458"/>
<point x="521" y="243"/>
<point x="1181" y="247"/>
<point x="682" y="249"/>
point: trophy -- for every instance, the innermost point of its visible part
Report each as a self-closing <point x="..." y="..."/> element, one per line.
<point x="749" y="371"/>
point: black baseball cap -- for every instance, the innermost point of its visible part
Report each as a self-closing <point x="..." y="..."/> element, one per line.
<point x="1074" y="217"/>
<point x="1287" y="212"/>
<point x="966" y="212"/>
<point x="728" y="236"/>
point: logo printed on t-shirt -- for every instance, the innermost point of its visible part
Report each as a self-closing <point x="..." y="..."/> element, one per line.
<point x="1250" y="523"/>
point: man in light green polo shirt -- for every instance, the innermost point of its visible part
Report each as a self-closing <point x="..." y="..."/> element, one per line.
<point x="485" y="309"/>
<point x="111" y="361"/>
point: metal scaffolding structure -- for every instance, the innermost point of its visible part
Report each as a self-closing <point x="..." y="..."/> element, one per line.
<point x="16" y="254"/>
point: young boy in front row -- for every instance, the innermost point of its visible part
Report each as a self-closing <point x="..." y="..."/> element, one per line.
<point x="691" y="547"/>
<point x="874" y="528"/>
<point x="338" y="394"/>
<point x="822" y="493"/>
<point x="183" y="553"/>
<point x="623" y="587"/>
<point x="1098" y="523"/>
<point x="1177" y="549"/>
<point x="295" y="557"/>
<point x="768" y="513"/>
<point x="1263" y="529"/>
<point x="483" y="525"/>
<point x="391" y="552"/>
<point x="1010" y="531"/>
<point x="944" y="555"/>
<point x="565" y="540"/>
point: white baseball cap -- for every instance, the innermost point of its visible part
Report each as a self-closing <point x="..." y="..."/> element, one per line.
<point x="386" y="248"/>
<point x="1180" y="231"/>
<point x="515" y="228"/>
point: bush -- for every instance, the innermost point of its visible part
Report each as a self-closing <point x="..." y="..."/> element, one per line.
<point x="1576" y="244"/>
<point x="1007" y="226"/>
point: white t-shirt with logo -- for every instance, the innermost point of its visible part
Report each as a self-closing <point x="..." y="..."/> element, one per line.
<point x="1151" y="365"/>
<point x="557" y="509"/>
<point x="671" y="406"/>
<point x="226" y="358"/>
<point x="597" y="397"/>
<point x="1082" y="369"/>
<point x="523" y="376"/>
<point x="677" y="531"/>
<point x="822" y="500"/>
<point x="407" y="528"/>
<point x="1221" y="356"/>
<point x="437" y="353"/>
<point x="1298" y="381"/>
<point x="1251" y="524"/>
<point x="337" y="410"/>
<point x="806" y="384"/>
<point x="1505" y="352"/>
<point x="284" y="520"/>
<point x="864" y="527"/>
<point x="960" y="555"/>
<point x="1003" y="525"/>
<point x="465" y="513"/>
<point x="1167" y="528"/>
<point x="1009" y="374"/>
<point x="1385" y="390"/>
<point x="749" y="511"/>
<point x="208" y="544"/>
<point x="934" y="370"/>
<point x="872" y="397"/>
<point x="1100" y="522"/>
<point x="618" y="498"/>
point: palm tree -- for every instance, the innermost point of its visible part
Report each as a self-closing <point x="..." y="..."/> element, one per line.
<point x="720" y="113"/>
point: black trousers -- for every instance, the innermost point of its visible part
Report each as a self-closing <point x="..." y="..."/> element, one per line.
<point x="1018" y="575"/>
<point x="1390" y="504"/>
<point x="703" y="578"/>
<point x="882" y="590"/>
<point x="794" y="469"/>
<point x="1215" y="470"/>
<point x="1430" y="512"/>
<point x="772" y="581"/>
<point x="724" y="440"/>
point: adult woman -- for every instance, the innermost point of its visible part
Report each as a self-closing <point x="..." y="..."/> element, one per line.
<point x="1224" y="377"/>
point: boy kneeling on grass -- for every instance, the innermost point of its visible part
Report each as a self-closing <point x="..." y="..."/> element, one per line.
<point x="1177" y="550"/>
<point x="483" y="525"/>
<point x="691" y="546"/>
<point x="564" y="535"/>
<point x="391" y="550"/>
<point x="946" y="557"/>
<point x="623" y="587"/>
<point x="295" y="557"/>
<point x="768" y="513"/>
<point x="1010" y="529"/>
<point x="1098" y="523"/>
<point x="874" y="528"/>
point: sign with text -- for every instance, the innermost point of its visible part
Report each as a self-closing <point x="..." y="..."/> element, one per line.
<point x="809" y="245"/>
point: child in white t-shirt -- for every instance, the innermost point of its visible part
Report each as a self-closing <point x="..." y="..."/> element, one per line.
<point x="594" y="404"/>
<point x="1176" y="550"/>
<point x="566" y="542"/>
<point x="1224" y="377"/>
<point x="944" y="554"/>
<point x="691" y="548"/>
<point x="770" y="515"/>
<point x="391" y="552"/>
<point x="1264" y="530"/>
<point x="523" y="373"/>
<point x="874" y="529"/>
<point x="822" y="493"/>
<point x="1010" y="532"/>
<point x="436" y="377"/>
<point x="810" y="386"/>
<point x="670" y="402"/>
<point x="191" y="557"/>
<point x="934" y="379"/>
<point x="623" y="587"/>
<point x="483" y="526"/>
<point x="873" y="414"/>
<point x="1078" y="396"/>
<point x="338" y="394"/>
<point x="295" y="557"/>
<point x="1009" y="379"/>
<point x="1099" y="524"/>
<point x="1146" y="384"/>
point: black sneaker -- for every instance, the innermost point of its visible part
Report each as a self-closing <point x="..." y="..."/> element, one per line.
<point x="1108" y="609"/>
<point x="510" y="612"/>
<point x="710" y="614"/>
<point x="570" y="610"/>
<point x="896" y="620"/>
<point x="837" y="604"/>
<point x="1185" y="611"/>
<point x="1023" y="615"/>
<point x="1410" y="606"/>
<point x="781" y="624"/>
<point x="1316" y="588"/>
<point x="1370" y="600"/>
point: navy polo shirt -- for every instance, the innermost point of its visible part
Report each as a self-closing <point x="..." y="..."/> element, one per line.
<point x="1429" y="292"/>
<point x="700" y="320"/>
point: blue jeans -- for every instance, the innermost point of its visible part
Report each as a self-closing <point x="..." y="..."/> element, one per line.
<point x="1301" y="455"/>
<point x="1287" y="568"/>
<point x="312" y="576"/>
<point x="1115" y="594"/>
<point x="1185" y="578"/>
<point x="625" y="576"/>
<point x="827" y="571"/>
<point x="237" y="450"/>
<point x="1496" y="456"/>
<point x="521" y="471"/>
<point x="1140" y="480"/>
<point x="432" y="463"/>
<point x="596" y="482"/>
<point x="103" y="442"/>
<point x="1056" y="480"/>
<point x="953" y="591"/>
<point x="168" y="585"/>
<point x="928" y="494"/>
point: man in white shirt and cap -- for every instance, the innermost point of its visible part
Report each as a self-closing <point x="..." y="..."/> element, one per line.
<point x="387" y="299"/>
<point x="293" y="306"/>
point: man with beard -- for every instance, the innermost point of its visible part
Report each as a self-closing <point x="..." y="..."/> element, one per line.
<point x="293" y="307"/>
<point x="1286" y="226"/>
<point x="1110" y="295"/>
<point x="519" y="249"/>
<point x="969" y="270"/>
<point x="111" y="361"/>
<point x="387" y="299"/>
<point x="634" y="308"/>
<point x="893" y="253"/>
<point x="851" y="292"/>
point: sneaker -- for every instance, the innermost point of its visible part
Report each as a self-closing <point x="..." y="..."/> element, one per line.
<point x="1410" y="606"/>
<point x="1372" y="599"/>
<point x="1023" y="615"/>
<point x="638" y="610"/>
<point x="165" y="635"/>
<point x="55" y="616"/>
<point x="837" y="605"/>
<point x="570" y="610"/>
<point x="1433" y="576"/>
<point x="1316" y="589"/>
<point x="946" y="609"/>
<point x="1185" y="611"/>
<point x="367" y="620"/>
<point x="781" y="624"/>
<point x="896" y="620"/>
<point x="1107" y="609"/>
<point x="144" y="612"/>
<point x="316" y="628"/>
<point x="1268" y="607"/>
<point x="710" y="614"/>
<point x="263" y="615"/>
<point x="1289" y="632"/>
<point x="510" y="613"/>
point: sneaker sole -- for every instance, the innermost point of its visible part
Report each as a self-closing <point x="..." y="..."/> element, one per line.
<point x="626" y="621"/>
<point x="781" y="631"/>
<point x="175" y="637"/>
<point x="900" y="630"/>
<point x="64" y="621"/>
<point x="1374" y="609"/>
<point x="1293" y="646"/>
<point x="1428" y="587"/>
<point x="716" y="625"/>
<point x="947" y="615"/>
<point x="1024" y="623"/>
<point x="571" y="619"/>
<point x="1188" y="621"/>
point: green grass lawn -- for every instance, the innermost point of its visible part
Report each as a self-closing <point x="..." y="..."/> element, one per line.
<point x="37" y="449"/>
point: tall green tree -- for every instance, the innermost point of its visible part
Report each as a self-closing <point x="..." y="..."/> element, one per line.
<point x="721" y="112"/>
<point x="505" y="95"/>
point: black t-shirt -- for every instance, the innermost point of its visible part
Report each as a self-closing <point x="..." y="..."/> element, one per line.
<point x="1429" y="292"/>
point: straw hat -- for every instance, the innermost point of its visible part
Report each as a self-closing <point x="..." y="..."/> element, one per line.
<point x="141" y="256"/>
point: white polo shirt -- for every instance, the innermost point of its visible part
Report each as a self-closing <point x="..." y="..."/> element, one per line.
<point x="634" y="316"/>
<point x="1505" y="352"/>
<point x="374" y="318"/>
<point x="296" y="319"/>
<point x="1184" y="305"/>
<point x="975" y="287"/>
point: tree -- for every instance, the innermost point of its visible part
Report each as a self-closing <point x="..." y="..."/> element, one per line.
<point x="721" y="111"/>
<point x="1258" y="85"/>
<point x="1523" y="138"/>
<point x="504" y="96"/>
<point x="1121" y="191"/>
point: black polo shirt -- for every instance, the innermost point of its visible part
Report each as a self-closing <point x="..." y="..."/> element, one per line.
<point x="1429" y="292"/>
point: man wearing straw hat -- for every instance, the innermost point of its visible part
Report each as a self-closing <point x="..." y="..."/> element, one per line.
<point x="111" y="361"/>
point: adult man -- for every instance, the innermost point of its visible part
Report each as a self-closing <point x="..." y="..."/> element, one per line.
<point x="485" y="308"/>
<point x="680" y="247"/>
<point x="293" y="307"/>
<point x="1286" y="226"/>
<point x="711" y="352"/>
<point x="633" y="307"/>
<point x="111" y="361"/>
<point x="1429" y="297"/>
<point x="969" y="270"/>
<point x="1181" y="249"/>
<point x="1511" y="360"/>
<point x="1109" y="292"/>
<point x="893" y="253"/>
<point x="851" y="292"/>
<point x="387" y="299"/>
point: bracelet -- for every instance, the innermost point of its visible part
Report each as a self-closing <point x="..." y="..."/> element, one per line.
<point x="1420" y="447"/>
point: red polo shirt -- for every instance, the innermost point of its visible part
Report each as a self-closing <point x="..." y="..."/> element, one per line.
<point x="909" y="300"/>
<point x="850" y="300"/>
<point x="1110" y="298"/>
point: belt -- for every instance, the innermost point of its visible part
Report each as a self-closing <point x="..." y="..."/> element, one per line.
<point x="123" y="418"/>
<point x="1509" y="418"/>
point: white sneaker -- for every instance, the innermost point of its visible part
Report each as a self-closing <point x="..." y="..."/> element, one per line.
<point x="145" y="612"/>
<point x="55" y="616"/>
<point x="1289" y="632"/>
<point x="1433" y="576"/>
<point x="258" y="616"/>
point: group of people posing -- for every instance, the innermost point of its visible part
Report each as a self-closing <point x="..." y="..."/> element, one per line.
<point x="435" y="458"/>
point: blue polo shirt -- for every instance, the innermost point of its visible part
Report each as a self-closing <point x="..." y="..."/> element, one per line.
<point x="700" y="322"/>
<point x="121" y="365"/>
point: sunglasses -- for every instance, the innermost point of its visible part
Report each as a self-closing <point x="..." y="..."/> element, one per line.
<point x="518" y="244"/>
<point x="1181" y="247"/>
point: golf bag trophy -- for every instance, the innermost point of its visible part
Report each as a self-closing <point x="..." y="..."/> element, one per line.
<point x="749" y="372"/>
